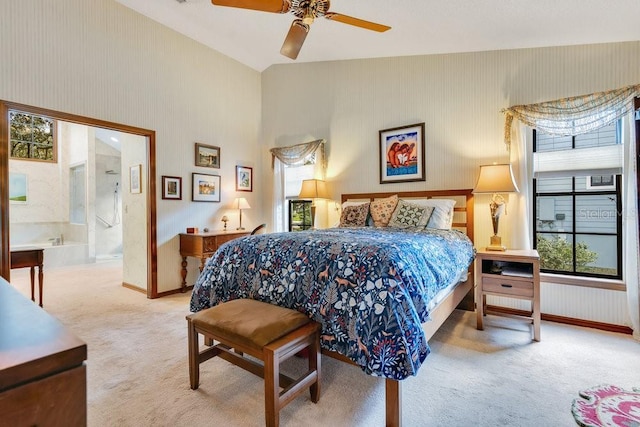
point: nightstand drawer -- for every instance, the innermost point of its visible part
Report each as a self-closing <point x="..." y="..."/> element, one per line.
<point x="503" y="285"/>
<point x="228" y="238"/>
<point x="209" y="244"/>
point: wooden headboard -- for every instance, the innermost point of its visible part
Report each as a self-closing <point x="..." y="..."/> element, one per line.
<point x="463" y="210"/>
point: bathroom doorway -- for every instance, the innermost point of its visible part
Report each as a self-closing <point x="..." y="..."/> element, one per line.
<point x="135" y="213"/>
<point x="74" y="203"/>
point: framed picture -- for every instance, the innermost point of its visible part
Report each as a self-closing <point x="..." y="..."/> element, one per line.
<point x="207" y="156"/>
<point x="402" y="154"/>
<point x="135" y="174"/>
<point x="17" y="188"/>
<point x="244" y="178"/>
<point x="206" y="188"/>
<point x="172" y="187"/>
<point x="601" y="182"/>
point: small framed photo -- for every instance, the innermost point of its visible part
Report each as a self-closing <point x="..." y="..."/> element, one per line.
<point x="402" y="154"/>
<point x="207" y="156"/>
<point x="172" y="187"/>
<point x="135" y="176"/>
<point x="206" y="188"/>
<point x="244" y="178"/>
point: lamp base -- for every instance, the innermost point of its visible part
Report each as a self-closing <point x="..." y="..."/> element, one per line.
<point x="496" y="244"/>
<point x="313" y="216"/>
<point x="240" y="228"/>
<point x="496" y="248"/>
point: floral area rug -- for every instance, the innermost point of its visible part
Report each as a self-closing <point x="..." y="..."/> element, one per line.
<point x="607" y="406"/>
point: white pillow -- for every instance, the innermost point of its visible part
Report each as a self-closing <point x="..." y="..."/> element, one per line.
<point x="442" y="216"/>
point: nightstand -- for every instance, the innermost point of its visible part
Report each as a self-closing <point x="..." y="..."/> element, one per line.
<point x="512" y="274"/>
<point x="202" y="246"/>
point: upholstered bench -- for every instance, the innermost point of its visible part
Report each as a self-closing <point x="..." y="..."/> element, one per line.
<point x="266" y="332"/>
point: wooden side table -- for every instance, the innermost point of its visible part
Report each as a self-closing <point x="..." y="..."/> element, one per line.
<point x="30" y="256"/>
<point x="513" y="274"/>
<point x="203" y="245"/>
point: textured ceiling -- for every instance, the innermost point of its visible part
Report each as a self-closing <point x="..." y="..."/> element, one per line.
<point x="419" y="27"/>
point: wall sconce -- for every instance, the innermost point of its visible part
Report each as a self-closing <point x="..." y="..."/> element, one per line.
<point x="496" y="179"/>
<point x="241" y="203"/>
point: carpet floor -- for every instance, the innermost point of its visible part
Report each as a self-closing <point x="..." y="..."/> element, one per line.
<point x="137" y="372"/>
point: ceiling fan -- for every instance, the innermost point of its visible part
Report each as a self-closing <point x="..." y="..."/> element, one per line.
<point x="305" y="11"/>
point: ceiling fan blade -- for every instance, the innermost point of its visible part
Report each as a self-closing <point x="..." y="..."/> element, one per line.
<point x="275" y="6"/>
<point x="295" y="38"/>
<point x="345" y="19"/>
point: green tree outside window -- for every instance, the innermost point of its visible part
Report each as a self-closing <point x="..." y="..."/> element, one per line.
<point x="31" y="137"/>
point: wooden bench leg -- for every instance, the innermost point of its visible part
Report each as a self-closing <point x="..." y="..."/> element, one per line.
<point x="194" y="365"/>
<point x="271" y="389"/>
<point x="314" y="365"/>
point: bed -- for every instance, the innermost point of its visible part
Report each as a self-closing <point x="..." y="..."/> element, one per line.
<point x="379" y="293"/>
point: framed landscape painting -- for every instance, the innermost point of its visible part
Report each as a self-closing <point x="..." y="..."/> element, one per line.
<point x="206" y="188"/>
<point x="402" y="154"/>
<point x="17" y="188"/>
<point x="207" y="156"/>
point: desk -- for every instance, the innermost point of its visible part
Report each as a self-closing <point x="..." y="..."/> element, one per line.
<point x="42" y="366"/>
<point x="30" y="256"/>
<point x="203" y="245"/>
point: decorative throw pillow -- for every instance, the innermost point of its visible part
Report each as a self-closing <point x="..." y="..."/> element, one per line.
<point x="409" y="215"/>
<point x="354" y="216"/>
<point x="382" y="209"/>
<point x="442" y="216"/>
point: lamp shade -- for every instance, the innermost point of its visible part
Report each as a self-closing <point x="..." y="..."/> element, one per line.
<point x="241" y="203"/>
<point x="496" y="179"/>
<point x="313" y="189"/>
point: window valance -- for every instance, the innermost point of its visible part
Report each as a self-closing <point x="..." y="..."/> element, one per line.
<point x="296" y="154"/>
<point x="575" y="115"/>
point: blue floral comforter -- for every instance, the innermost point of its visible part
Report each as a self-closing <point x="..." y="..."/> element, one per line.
<point x="368" y="287"/>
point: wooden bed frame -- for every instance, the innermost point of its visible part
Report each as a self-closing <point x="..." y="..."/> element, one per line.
<point x="462" y="295"/>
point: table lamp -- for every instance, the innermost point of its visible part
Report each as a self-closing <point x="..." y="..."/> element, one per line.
<point x="241" y="203"/>
<point x="313" y="189"/>
<point x="496" y="179"/>
<point x="225" y="219"/>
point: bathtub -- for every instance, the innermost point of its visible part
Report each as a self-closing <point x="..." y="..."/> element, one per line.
<point x="69" y="253"/>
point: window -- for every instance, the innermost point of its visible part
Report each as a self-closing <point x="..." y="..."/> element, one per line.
<point x="578" y="225"/>
<point x="299" y="215"/>
<point x="294" y="175"/>
<point x="31" y="137"/>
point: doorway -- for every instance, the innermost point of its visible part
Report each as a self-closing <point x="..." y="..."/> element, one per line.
<point x="147" y="248"/>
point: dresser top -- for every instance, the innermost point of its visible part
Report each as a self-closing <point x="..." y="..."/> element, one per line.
<point x="33" y="343"/>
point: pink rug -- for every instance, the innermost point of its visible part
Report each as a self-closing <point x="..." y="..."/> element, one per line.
<point x="607" y="406"/>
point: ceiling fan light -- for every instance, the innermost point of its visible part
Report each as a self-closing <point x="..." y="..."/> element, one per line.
<point x="308" y="19"/>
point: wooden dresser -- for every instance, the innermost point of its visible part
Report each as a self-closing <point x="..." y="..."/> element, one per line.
<point x="42" y="366"/>
<point x="202" y="246"/>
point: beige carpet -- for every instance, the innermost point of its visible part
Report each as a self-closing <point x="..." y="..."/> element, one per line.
<point x="138" y="376"/>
